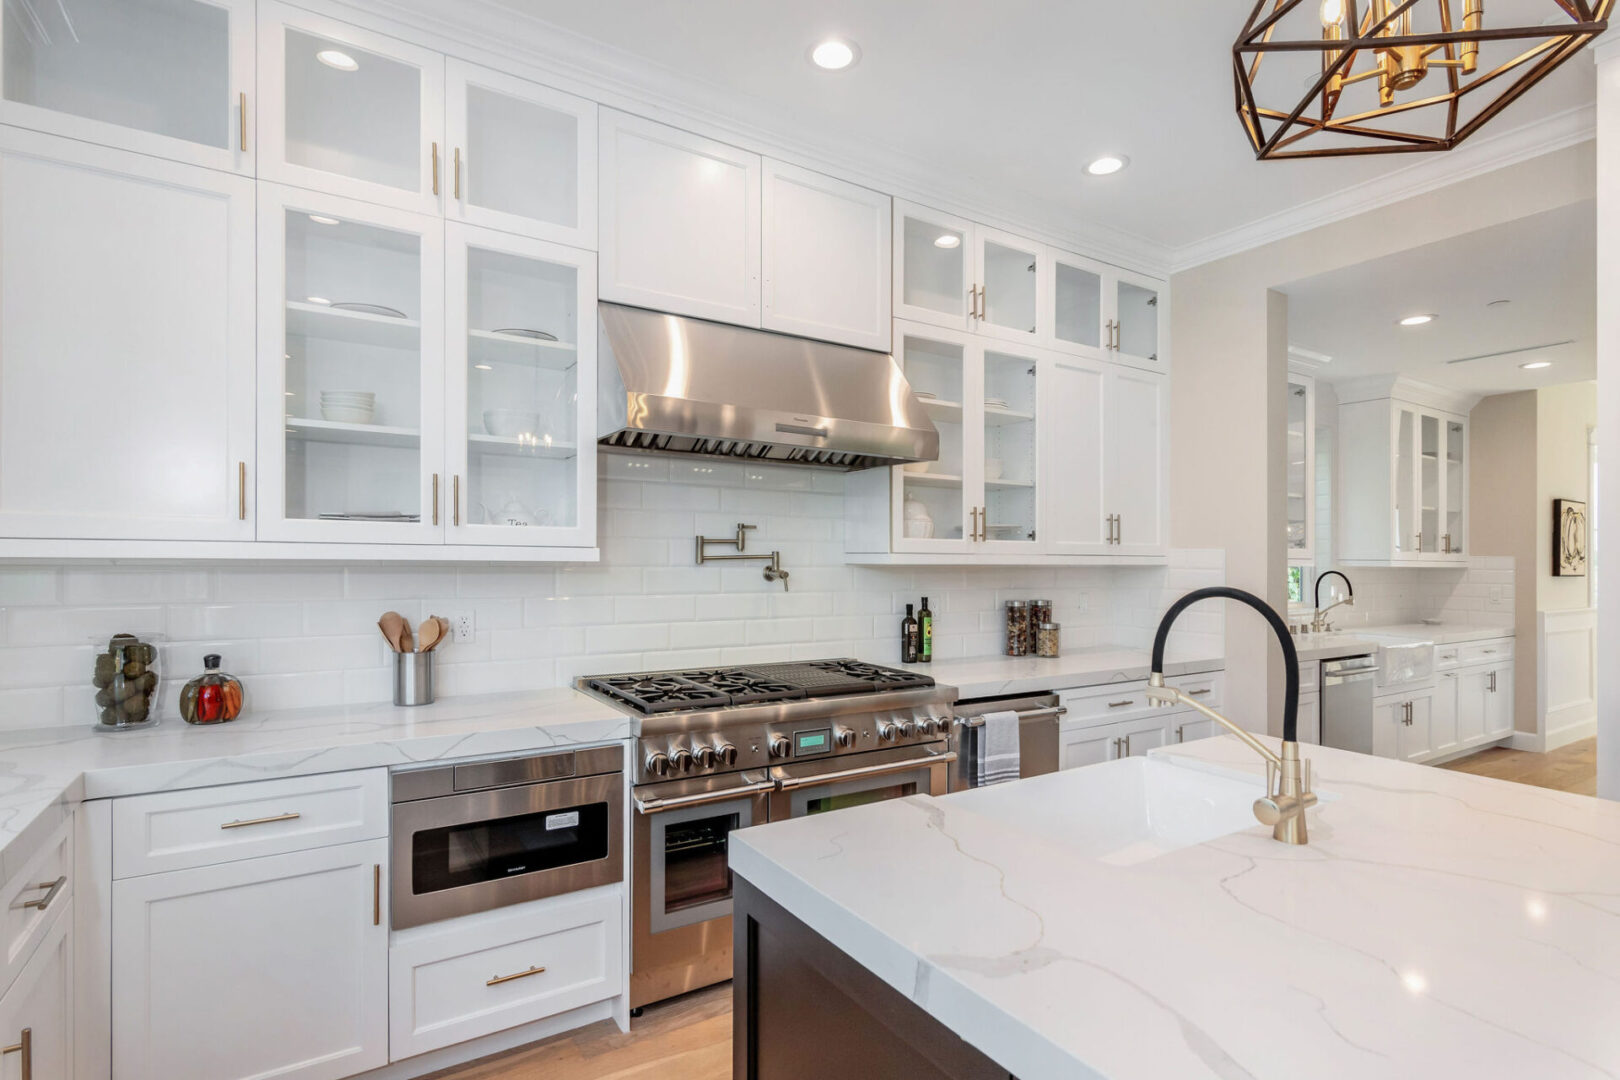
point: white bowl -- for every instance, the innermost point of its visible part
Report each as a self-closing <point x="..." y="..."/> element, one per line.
<point x="349" y="395"/>
<point x="917" y="466"/>
<point x="346" y="414"/>
<point x="993" y="468"/>
<point x="506" y="423"/>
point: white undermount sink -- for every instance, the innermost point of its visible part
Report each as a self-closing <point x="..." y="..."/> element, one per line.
<point x="1123" y="812"/>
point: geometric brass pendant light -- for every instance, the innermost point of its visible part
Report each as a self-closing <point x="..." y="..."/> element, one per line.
<point x="1327" y="78"/>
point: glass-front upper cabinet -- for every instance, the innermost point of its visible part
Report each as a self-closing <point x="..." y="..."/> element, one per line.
<point x="1077" y="304"/>
<point x="1010" y="463"/>
<point x="522" y="156"/>
<point x="172" y="78"/>
<point x="521" y="400"/>
<point x="1136" y="323"/>
<point x="1010" y="282"/>
<point x="1431" y="485"/>
<point x="348" y="111"/>
<point x="1300" y="447"/>
<point x="934" y="267"/>
<point x="1454" y="466"/>
<point x="1407" y="540"/>
<point x="351" y="370"/>
<point x="935" y="503"/>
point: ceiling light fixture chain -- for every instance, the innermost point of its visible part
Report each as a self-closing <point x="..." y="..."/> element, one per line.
<point x="1365" y="63"/>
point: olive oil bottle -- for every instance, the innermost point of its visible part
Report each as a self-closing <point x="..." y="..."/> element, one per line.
<point x="908" y="638"/>
<point x="925" y="634"/>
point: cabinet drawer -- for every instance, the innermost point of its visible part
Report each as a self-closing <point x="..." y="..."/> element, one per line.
<point x="1127" y="701"/>
<point x="41" y="1002"/>
<point x="1486" y="652"/>
<point x="1447" y="657"/>
<point x="488" y="972"/>
<point x="174" y="830"/>
<point x="30" y="899"/>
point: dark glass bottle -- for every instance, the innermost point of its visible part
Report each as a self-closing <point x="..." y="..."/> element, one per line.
<point x="212" y="697"/>
<point x="925" y="634"/>
<point x="908" y="638"/>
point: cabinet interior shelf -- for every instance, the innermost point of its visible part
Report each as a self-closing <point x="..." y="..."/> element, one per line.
<point x="516" y="446"/>
<point x="331" y="431"/>
<point x="355" y="327"/>
<point x="489" y="347"/>
<point x="931" y="479"/>
<point x="950" y="412"/>
<point x="1009" y="483"/>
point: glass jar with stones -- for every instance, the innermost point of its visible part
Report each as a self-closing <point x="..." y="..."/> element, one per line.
<point x="126" y="681"/>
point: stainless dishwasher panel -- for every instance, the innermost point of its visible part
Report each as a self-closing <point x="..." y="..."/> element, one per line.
<point x="1038" y="716"/>
<point x="1347" y="703"/>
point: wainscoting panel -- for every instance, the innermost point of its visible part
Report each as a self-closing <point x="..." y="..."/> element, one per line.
<point x="1566" y="676"/>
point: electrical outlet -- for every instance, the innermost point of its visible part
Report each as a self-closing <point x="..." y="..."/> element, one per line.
<point x="1496" y="595"/>
<point x="463" y="626"/>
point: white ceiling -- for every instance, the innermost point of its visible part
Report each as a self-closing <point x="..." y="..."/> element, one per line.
<point x="1015" y="97"/>
<point x="1545" y="264"/>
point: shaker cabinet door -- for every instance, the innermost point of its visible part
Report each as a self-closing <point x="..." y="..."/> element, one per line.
<point x="1072" y="408"/>
<point x="126" y="345"/>
<point x="1135" y="434"/>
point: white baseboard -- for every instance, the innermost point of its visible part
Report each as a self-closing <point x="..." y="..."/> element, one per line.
<point x="1570" y="733"/>
<point x="1527" y="740"/>
<point x="498" y="1042"/>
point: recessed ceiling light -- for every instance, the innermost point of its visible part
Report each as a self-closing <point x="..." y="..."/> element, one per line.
<point x="337" y="58"/>
<point x="1536" y="365"/>
<point x="317" y="299"/>
<point x="1108" y="164"/>
<point x="483" y="367"/>
<point x="1417" y="320"/>
<point x="948" y="240"/>
<point x="834" y="54"/>
<point x="322" y="219"/>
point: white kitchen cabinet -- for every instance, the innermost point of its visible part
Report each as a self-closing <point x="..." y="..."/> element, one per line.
<point x="1011" y="273"/>
<point x="1470" y="691"/>
<point x="348" y="111"/>
<point x="680" y="221"/>
<point x="1087" y="745"/>
<point x="1308" y="719"/>
<point x="522" y="157"/>
<point x="1076" y="306"/>
<point x="170" y="78"/>
<point x="1300" y="484"/>
<point x="1404" y="478"/>
<point x="126" y="345"/>
<point x="1137" y="323"/>
<point x="825" y="266"/>
<point x="1093" y="309"/>
<point x="935" y="278"/>
<point x="1402" y="725"/>
<point x="1444" y="732"/>
<point x="1189" y="726"/>
<point x="1499" y="702"/>
<point x="276" y="966"/>
<point x="351" y="302"/>
<point x="36" y="1013"/>
<point x="1136" y="438"/>
<point x="520" y="402"/>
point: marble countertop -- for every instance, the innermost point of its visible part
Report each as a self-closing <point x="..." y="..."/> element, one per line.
<point x="995" y="676"/>
<point x="1331" y="645"/>
<point x="45" y="771"/>
<point x="1440" y="634"/>
<point x="1438" y="924"/>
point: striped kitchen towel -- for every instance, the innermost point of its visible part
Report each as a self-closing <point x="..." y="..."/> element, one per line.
<point x="997" y="753"/>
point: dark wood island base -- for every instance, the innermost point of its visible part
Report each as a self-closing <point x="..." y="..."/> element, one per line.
<point x="803" y="1009"/>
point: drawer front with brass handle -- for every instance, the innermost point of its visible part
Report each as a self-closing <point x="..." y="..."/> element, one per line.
<point x="1114" y="702"/>
<point x="174" y="830"/>
<point x="1486" y="652"/>
<point x="29" y="900"/>
<point x="36" y="1013"/>
<point x="502" y="968"/>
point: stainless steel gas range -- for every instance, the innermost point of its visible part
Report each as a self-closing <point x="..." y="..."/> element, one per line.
<point x="726" y="748"/>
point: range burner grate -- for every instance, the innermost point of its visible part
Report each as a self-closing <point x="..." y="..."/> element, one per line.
<point x="712" y="688"/>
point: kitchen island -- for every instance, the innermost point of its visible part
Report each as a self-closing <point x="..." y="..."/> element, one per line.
<point x="1129" y="920"/>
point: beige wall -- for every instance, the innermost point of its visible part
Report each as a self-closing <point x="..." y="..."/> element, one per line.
<point x="1564" y="415"/>
<point x="1608" y="373"/>
<point x="1229" y="389"/>
<point x="1502" y="432"/>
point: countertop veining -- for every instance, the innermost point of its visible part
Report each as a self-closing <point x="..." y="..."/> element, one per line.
<point x="996" y="676"/>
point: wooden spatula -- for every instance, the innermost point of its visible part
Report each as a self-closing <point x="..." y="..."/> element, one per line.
<point x="395" y="630"/>
<point x="429" y="634"/>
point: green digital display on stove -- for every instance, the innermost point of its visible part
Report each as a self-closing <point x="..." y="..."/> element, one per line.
<point x="812" y="742"/>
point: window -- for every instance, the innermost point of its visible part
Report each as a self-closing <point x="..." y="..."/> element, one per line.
<point x="1296" y="585"/>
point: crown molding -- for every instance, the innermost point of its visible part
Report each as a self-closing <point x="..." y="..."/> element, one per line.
<point x="1406" y="389"/>
<point x="529" y="47"/>
<point x="1472" y="158"/>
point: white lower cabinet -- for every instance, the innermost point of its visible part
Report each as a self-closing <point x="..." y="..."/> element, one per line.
<point x="1443" y="730"/>
<point x="1468" y="707"/>
<point x="1081" y="745"/>
<point x="36" y="1013"/>
<point x="484" y="973"/>
<point x="1309" y="719"/>
<point x="266" y="967"/>
<point x="1401" y="725"/>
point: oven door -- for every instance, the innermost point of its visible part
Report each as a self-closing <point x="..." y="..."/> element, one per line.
<point x="816" y="787"/>
<point x="681" y="880"/>
<point x="461" y="854"/>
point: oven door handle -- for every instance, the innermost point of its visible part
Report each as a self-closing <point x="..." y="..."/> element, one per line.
<point x="788" y="783"/>
<point x="654" y="805"/>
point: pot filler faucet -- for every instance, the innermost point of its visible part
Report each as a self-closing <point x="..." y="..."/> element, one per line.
<point x="1288" y="779"/>
<point x="1319" y="619"/>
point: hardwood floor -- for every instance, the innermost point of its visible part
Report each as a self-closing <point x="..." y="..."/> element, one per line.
<point x="1569" y="768"/>
<point x="688" y="1038"/>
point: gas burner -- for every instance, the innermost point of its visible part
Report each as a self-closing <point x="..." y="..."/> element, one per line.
<point x="710" y="688"/>
<point x="661" y="692"/>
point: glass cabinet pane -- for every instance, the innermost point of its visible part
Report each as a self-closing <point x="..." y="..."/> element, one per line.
<point x="1406" y="522"/>
<point x="1452" y="542"/>
<point x="1138" y="321"/>
<point x="934" y="507"/>
<point x="521" y="158"/>
<point x="352" y="112"/>
<point x="1011" y="286"/>
<point x="1429" y="489"/>
<point x="1009" y="448"/>
<point x="159" y="66"/>
<point x="1077" y="305"/>
<point x="1299" y="500"/>
<point x="934" y="268"/>
<point x="353" y="367"/>
<point x="522" y="391"/>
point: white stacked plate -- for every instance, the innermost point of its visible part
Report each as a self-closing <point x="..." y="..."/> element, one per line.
<point x="348" y="406"/>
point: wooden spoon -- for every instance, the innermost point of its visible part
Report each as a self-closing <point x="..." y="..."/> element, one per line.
<point x="394" y="629"/>
<point x="406" y="642"/>
<point x="429" y="634"/>
<point x="444" y="631"/>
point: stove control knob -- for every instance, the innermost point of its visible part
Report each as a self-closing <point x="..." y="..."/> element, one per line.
<point x="680" y="759"/>
<point x="908" y="728"/>
<point x="941" y="724"/>
<point x="705" y="757"/>
<point x="657" y="763"/>
<point x="779" y="746"/>
<point x="845" y="737"/>
<point x="727" y="753"/>
<point x="887" y="731"/>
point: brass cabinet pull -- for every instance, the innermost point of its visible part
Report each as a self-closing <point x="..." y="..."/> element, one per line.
<point x="1119" y="528"/>
<point x="52" y="887"/>
<point x="241" y="491"/>
<point x="376" y="894"/>
<point x="1181" y="733"/>
<point x="435" y="168"/>
<point x="241" y="106"/>
<point x="289" y="816"/>
<point x="1121" y="704"/>
<point x="24" y="1046"/>
<point x="497" y="980"/>
<point x="455" y="500"/>
<point x="1196" y="693"/>
<point x="458" y="173"/>
<point x="435" y="498"/>
<point x="973" y="530"/>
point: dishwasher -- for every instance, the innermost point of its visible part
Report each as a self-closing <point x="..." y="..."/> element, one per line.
<point x="1038" y="715"/>
<point x="1347" y="703"/>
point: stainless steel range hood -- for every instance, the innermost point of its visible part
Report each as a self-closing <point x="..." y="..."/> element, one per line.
<point x="686" y="386"/>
